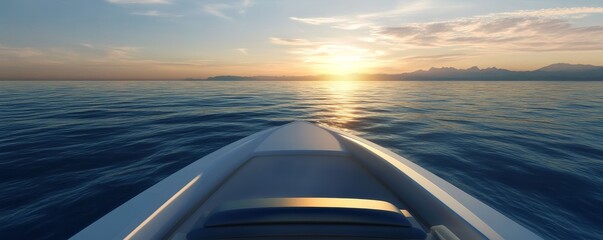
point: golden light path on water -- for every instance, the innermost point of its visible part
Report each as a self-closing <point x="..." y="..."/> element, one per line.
<point x="342" y="101"/>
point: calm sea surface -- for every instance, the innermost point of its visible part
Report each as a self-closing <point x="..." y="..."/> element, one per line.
<point x="70" y="152"/>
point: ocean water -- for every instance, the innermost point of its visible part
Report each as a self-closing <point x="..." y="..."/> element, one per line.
<point x="70" y="152"/>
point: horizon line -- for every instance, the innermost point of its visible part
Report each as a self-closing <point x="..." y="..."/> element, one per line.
<point x="327" y="77"/>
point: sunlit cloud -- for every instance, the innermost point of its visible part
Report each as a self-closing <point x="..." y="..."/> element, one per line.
<point x="428" y="61"/>
<point x="140" y="1"/>
<point x="291" y="41"/>
<point x="553" y="12"/>
<point x="416" y="6"/>
<point x="7" y="52"/>
<point x="16" y="56"/>
<point x="525" y="30"/>
<point x="540" y="30"/>
<point x="336" y="22"/>
<point x="318" y="21"/>
<point x="367" y="20"/>
<point x="439" y="57"/>
<point x="241" y="50"/>
<point x="226" y="11"/>
<point x="98" y="62"/>
<point x="87" y="45"/>
<point x="123" y="52"/>
<point x="67" y="56"/>
<point x="154" y="13"/>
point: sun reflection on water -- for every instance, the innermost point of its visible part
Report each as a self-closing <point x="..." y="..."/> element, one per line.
<point x="342" y="107"/>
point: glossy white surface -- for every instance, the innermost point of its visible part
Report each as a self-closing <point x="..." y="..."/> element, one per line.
<point x="155" y="211"/>
<point x="300" y="159"/>
<point x="300" y="136"/>
<point x="480" y="217"/>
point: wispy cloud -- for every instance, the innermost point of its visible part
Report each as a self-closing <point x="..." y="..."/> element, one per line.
<point x="10" y="55"/>
<point x="154" y="13"/>
<point x="225" y="11"/>
<point x="140" y="1"/>
<point x="319" y="21"/>
<point x="330" y="52"/>
<point x="553" y="12"/>
<point x="67" y="55"/>
<point x="98" y="61"/>
<point x="291" y="41"/>
<point x="352" y="22"/>
<point x="18" y="52"/>
<point x="526" y="30"/>
<point x="539" y="30"/>
<point x="121" y="52"/>
<point x="241" y="50"/>
<point x="431" y="59"/>
<point x="87" y="45"/>
<point x="346" y="23"/>
<point x="447" y="41"/>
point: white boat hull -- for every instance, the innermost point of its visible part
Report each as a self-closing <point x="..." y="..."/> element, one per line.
<point x="301" y="159"/>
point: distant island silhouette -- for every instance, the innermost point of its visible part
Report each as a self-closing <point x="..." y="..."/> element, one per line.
<point x="554" y="72"/>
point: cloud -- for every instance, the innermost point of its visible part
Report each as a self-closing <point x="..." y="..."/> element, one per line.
<point x="540" y="30"/>
<point x="291" y="41"/>
<point x="90" y="61"/>
<point x="328" y="52"/>
<point x="352" y="22"/>
<point x="340" y="23"/>
<point x="526" y="30"/>
<point x="122" y="52"/>
<point x="223" y="10"/>
<point x="140" y="1"/>
<point x="87" y="45"/>
<point x="553" y="12"/>
<point x="318" y="21"/>
<point x="154" y="13"/>
<point x="431" y="59"/>
<point x="16" y="56"/>
<point x="454" y="40"/>
<point x="66" y="55"/>
<point x="241" y="50"/>
<point x="18" y="52"/>
<point x="98" y="55"/>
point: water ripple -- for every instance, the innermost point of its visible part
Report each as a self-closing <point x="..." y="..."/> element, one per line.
<point x="72" y="151"/>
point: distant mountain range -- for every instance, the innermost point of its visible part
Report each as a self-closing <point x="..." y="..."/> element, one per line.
<point x="554" y="72"/>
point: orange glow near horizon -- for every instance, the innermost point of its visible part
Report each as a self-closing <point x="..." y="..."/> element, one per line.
<point x="167" y="40"/>
<point x="342" y="65"/>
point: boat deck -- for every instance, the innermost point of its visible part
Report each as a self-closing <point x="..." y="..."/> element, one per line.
<point x="298" y="162"/>
<point x="292" y="176"/>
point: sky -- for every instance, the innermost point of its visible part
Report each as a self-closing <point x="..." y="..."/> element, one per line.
<point x="174" y="39"/>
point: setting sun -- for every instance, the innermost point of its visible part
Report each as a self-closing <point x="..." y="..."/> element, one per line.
<point x="344" y="65"/>
<point x="340" y="60"/>
<point x="182" y="39"/>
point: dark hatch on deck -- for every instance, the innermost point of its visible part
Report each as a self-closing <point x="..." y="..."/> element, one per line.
<point x="285" y="218"/>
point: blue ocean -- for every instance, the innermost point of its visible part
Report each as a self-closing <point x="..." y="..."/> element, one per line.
<point x="72" y="151"/>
